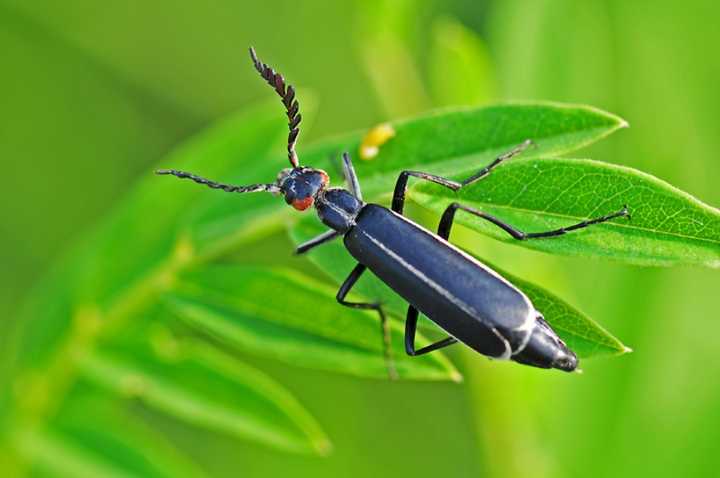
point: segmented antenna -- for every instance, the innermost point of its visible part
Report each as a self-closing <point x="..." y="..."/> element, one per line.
<point x="287" y="93"/>
<point x="228" y="188"/>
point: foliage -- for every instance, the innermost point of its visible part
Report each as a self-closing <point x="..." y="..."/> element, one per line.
<point x="168" y="322"/>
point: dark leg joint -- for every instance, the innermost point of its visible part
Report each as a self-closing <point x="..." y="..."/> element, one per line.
<point x="411" y="329"/>
<point x="401" y="183"/>
<point x="448" y="216"/>
<point x="432" y="347"/>
<point x="398" y="201"/>
<point x="384" y="325"/>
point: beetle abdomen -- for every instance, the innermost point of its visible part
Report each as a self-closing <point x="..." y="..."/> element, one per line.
<point x="464" y="297"/>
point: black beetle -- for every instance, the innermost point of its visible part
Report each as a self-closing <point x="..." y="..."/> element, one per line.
<point x="470" y="301"/>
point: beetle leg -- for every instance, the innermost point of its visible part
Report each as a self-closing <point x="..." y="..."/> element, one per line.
<point x="411" y="328"/>
<point x="326" y="236"/>
<point x="343" y="292"/>
<point x="398" y="201"/>
<point x="350" y="176"/>
<point x="447" y="220"/>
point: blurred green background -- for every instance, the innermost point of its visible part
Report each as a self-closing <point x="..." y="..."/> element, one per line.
<point x="94" y="93"/>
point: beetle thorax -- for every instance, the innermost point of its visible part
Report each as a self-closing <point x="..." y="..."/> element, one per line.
<point x="338" y="208"/>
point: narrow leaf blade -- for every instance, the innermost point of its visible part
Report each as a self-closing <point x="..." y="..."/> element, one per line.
<point x="91" y="438"/>
<point x="291" y="317"/>
<point x="210" y="389"/>
<point x="457" y="142"/>
<point x="582" y="334"/>
<point x="668" y="226"/>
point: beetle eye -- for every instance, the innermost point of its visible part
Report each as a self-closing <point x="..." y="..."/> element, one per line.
<point x="283" y="175"/>
<point x="302" y="204"/>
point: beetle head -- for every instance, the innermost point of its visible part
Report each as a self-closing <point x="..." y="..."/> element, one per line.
<point x="301" y="185"/>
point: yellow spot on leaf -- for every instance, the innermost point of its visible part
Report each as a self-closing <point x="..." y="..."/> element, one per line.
<point x="376" y="137"/>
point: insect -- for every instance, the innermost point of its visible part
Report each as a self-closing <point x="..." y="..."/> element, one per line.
<point x="467" y="299"/>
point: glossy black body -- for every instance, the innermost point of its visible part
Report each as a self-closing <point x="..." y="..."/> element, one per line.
<point x="474" y="304"/>
<point x="338" y="208"/>
<point x="467" y="299"/>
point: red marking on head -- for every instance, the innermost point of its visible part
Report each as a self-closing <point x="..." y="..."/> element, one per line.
<point x="325" y="177"/>
<point x="302" y="204"/>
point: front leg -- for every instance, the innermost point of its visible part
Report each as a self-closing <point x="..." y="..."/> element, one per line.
<point x="384" y="326"/>
<point x="316" y="241"/>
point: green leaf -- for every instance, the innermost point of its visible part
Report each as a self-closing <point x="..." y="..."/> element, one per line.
<point x="288" y="316"/>
<point x="461" y="141"/>
<point x="668" y="226"/>
<point x="91" y="439"/>
<point x="200" y="385"/>
<point x="580" y="332"/>
<point x="166" y="228"/>
<point x="460" y="68"/>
